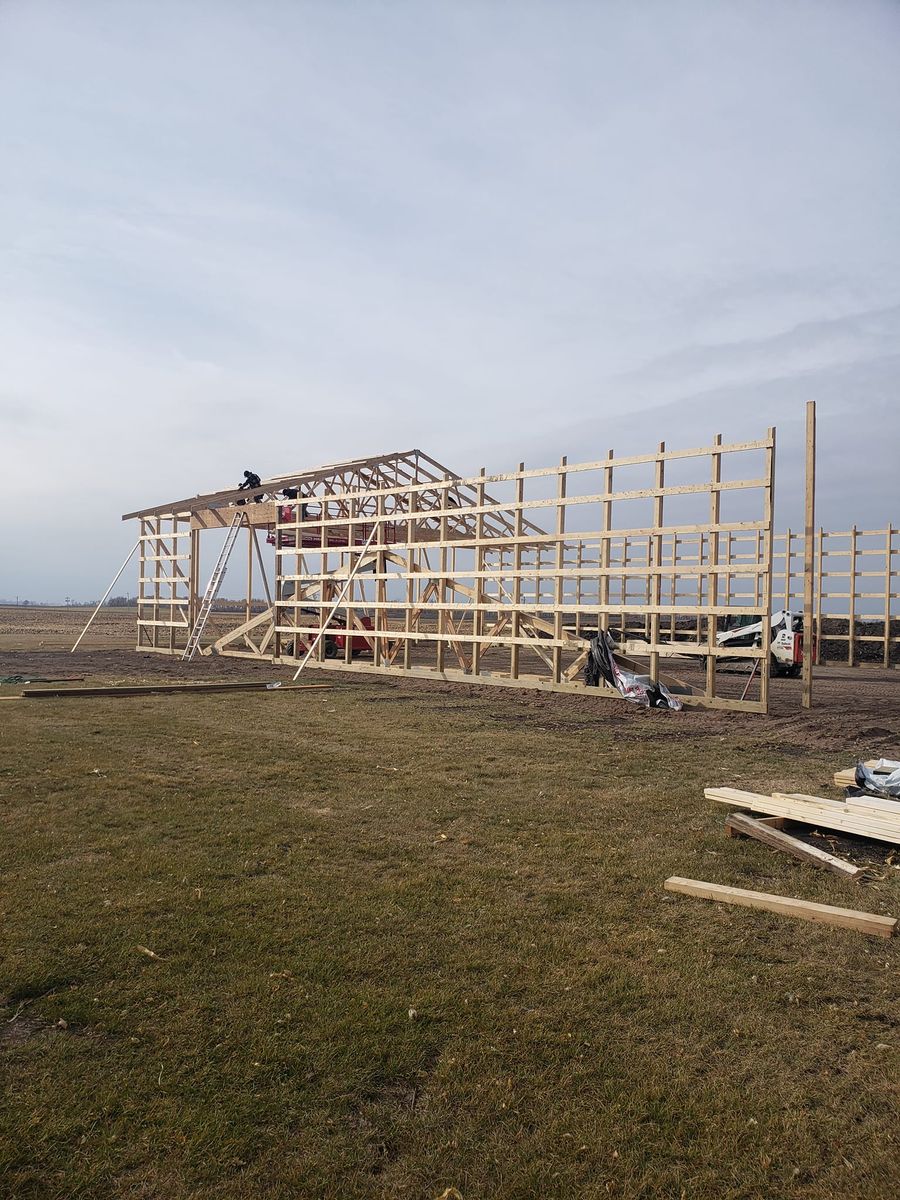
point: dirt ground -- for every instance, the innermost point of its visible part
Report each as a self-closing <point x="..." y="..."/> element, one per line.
<point x="855" y="711"/>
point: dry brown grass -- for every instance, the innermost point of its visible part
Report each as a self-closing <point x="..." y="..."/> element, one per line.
<point x="415" y="937"/>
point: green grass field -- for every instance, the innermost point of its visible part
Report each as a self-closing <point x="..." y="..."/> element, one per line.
<point x="411" y="938"/>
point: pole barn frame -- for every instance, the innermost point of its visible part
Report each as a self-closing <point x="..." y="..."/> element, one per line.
<point x="495" y="579"/>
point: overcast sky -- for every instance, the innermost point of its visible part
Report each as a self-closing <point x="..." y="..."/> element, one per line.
<point x="269" y="235"/>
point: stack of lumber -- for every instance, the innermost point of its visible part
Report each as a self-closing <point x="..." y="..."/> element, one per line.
<point x="866" y="816"/>
<point x="847" y="777"/>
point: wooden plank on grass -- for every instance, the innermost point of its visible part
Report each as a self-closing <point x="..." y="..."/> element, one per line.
<point x="170" y="688"/>
<point x="811" y="810"/>
<point x="825" y="914"/>
<point x="763" y="832"/>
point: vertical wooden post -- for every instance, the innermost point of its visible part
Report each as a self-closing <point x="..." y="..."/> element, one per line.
<point x="561" y="480"/>
<point x="809" y="630"/>
<point x="173" y="584"/>
<point x="820" y="547"/>
<point x="411" y="564"/>
<point x="605" y="547"/>
<point x="648" y="583"/>
<point x="350" y="610"/>
<point x="579" y="564"/>
<point x="701" y="558"/>
<point x="518" y="525"/>
<point x="442" y="588"/>
<point x="323" y="569"/>
<point x="851" y="627"/>
<point x="248" y="609"/>
<point x="726" y="578"/>
<point x="655" y="580"/>
<point x="888" y="554"/>
<point x="768" y="514"/>
<point x="194" y="579"/>
<point x="712" y="581"/>
<point x="157" y="565"/>
<point x="381" y="616"/>
<point x="787" y="566"/>
<point x="478" y="590"/>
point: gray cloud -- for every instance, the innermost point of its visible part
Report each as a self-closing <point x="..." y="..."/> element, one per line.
<point x="275" y="235"/>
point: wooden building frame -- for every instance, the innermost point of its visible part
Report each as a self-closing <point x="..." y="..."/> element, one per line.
<point x="496" y="579"/>
<point x="856" y="580"/>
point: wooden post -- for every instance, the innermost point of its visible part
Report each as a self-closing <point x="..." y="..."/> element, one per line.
<point x="605" y="547"/>
<point x="579" y="563"/>
<point x="194" y="579"/>
<point x="820" y="546"/>
<point x="712" y="584"/>
<point x="248" y="610"/>
<point x="561" y="480"/>
<point x="350" y="610"/>
<point x="888" y="555"/>
<point x="381" y="615"/>
<point x="655" y="580"/>
<point x="768" y="513"/>
<point x="809" y="631"/>
<point x="851" y="591"/>
<point x="518" y="525"/>
<point x="701" y="558"/>
<point x="411" y="564"/>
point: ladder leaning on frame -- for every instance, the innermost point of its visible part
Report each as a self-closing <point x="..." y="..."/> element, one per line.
<point x="212" y="588"/>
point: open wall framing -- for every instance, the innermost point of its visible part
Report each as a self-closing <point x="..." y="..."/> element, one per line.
<point x="856" y="574"/>
<point x="497" y="579"/>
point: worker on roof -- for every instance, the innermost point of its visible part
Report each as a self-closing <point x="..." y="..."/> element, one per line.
<point x="251" y="480"/>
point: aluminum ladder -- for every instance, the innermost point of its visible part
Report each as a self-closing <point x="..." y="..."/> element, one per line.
<point x="212" y="588"/>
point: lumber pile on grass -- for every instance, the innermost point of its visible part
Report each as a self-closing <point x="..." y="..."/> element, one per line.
<point x="865" y="816"/>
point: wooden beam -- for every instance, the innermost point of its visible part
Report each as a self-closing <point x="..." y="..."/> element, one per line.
<point x="809" y="555"/>
<point x="825" y="914"/>
<point x="763" y="832"/>
<point x="166" y="688"/>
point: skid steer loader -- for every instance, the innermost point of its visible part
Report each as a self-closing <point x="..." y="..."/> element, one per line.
<point x="785" y="639"/>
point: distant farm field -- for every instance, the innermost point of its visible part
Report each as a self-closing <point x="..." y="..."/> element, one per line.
<point x="397" y="937"/>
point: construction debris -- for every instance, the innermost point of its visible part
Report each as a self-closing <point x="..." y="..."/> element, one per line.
<point x="150" y="953"/>
<point x="4" y="679"/>
<point x="603" y="664"/>
<point x="167" y="688"/>
<point x="882" y="779"/>
<point x="847" y="777"/>
<point x="826" y="914"/>
<point x="763" y="831"/>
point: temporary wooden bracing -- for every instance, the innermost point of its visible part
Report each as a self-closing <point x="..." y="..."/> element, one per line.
<point x="497" y="579"/>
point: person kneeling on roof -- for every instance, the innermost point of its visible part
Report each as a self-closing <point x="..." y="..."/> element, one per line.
<point x="251" y="480"/>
